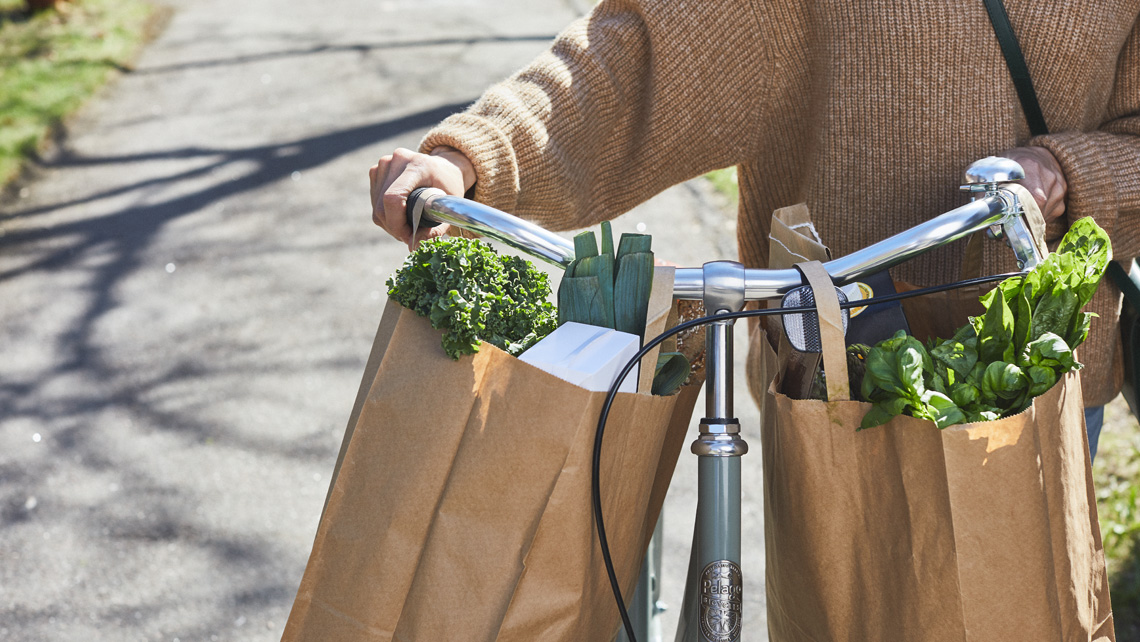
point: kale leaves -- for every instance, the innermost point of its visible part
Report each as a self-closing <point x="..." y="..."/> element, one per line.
<point x="474" y="294"/>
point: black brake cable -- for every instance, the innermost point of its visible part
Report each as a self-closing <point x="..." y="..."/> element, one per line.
<point x="595" y="476"/>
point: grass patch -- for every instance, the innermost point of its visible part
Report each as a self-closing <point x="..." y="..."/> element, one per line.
<point x="1117" y="479"/>
<point x="52" y="61"/>
<point x="724" y="182"/>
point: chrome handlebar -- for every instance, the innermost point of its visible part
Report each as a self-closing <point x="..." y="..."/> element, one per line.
<point x="435" y="205"/>
<point x="995" y="208"/>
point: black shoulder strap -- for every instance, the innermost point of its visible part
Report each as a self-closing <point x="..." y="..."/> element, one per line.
<point x="1017" y="67"/>
<point x="1019" y="71"/>
<point x="1123" y="280"/>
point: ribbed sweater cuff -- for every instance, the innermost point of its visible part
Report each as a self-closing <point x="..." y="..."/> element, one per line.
<point x="488" y="149"/>
<point x="1088" y="160"/>
<point x="1088" y="172"/>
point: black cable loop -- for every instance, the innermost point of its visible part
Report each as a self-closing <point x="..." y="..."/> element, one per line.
<point x="595" y="476"/>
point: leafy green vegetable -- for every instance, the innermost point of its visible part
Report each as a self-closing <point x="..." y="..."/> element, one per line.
<point x="994" y="366"/>
<point x="612" y="291"/>
<point x="473" y="294"/>
<point x="586" y="293"/>
<point x="580" y="300"/>
<point x="672" y="370"/>
<point x="604" y="289"/>
<point x="598" y="273"/>
<point x="631" y="292"/>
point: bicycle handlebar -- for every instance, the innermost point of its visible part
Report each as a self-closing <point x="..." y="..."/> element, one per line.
<point x="999" y="207"/>
<point x="760" y="284"/>
<point x="490" y="222"/>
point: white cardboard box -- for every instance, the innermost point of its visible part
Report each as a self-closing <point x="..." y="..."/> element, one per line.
<point x="586" y="355"/>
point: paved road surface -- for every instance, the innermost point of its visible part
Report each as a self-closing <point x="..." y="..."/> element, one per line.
<point x="188" y="291"/>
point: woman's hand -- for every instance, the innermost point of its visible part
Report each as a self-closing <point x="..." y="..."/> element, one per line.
<point x="1044" y="180"/>
<point x="393" y="178"/>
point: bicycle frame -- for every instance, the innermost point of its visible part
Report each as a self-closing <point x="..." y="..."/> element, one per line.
<point x="713" y="593"/>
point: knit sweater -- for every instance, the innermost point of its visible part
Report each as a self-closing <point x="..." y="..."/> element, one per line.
<point x="866" y="110"/>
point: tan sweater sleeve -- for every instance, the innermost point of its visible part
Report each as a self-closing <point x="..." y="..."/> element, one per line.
<point x="635" y="97"/>
<point x="1102" y="167"/>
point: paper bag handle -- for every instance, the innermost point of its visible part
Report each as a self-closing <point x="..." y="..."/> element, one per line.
<point x="830" y="330"/>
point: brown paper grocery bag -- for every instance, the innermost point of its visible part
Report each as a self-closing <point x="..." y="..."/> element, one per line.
<point x="460" y="508"/>
<point x="978" y="532"/>
<point x="794" y="240"/>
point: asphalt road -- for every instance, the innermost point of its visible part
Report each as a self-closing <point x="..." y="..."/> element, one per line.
<point x="189" y="287"/>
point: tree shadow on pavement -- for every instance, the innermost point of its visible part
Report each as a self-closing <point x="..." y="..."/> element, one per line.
<point x="274" y="162"/>
<point x="125" y="234"/>
<point x="119" y="510"/>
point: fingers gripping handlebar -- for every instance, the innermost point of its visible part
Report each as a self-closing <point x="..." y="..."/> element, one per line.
<point x="994" y="207"/>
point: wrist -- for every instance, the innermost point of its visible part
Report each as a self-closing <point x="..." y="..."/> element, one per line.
<point x="460" y="161"/>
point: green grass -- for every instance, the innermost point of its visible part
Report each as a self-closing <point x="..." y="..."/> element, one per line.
<point x="52" y="61"/>
<point x="724" y="182"/>
<point x="1117" y="479"/>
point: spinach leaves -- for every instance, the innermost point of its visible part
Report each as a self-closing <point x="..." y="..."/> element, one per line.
<point x="995" y="365"/>
<point x="473" y="294"/>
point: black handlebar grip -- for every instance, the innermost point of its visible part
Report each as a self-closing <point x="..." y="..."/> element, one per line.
<point x="417" y="200"/>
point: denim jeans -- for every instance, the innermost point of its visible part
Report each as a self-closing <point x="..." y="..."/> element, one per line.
<point x="1094" y="421"/>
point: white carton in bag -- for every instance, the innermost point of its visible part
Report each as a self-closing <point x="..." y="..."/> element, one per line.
<point x="586" y="355"/>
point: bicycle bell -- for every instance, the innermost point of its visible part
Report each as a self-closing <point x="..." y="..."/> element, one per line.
<point x="987" y="176"/>
<point x="991" y="173"/>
